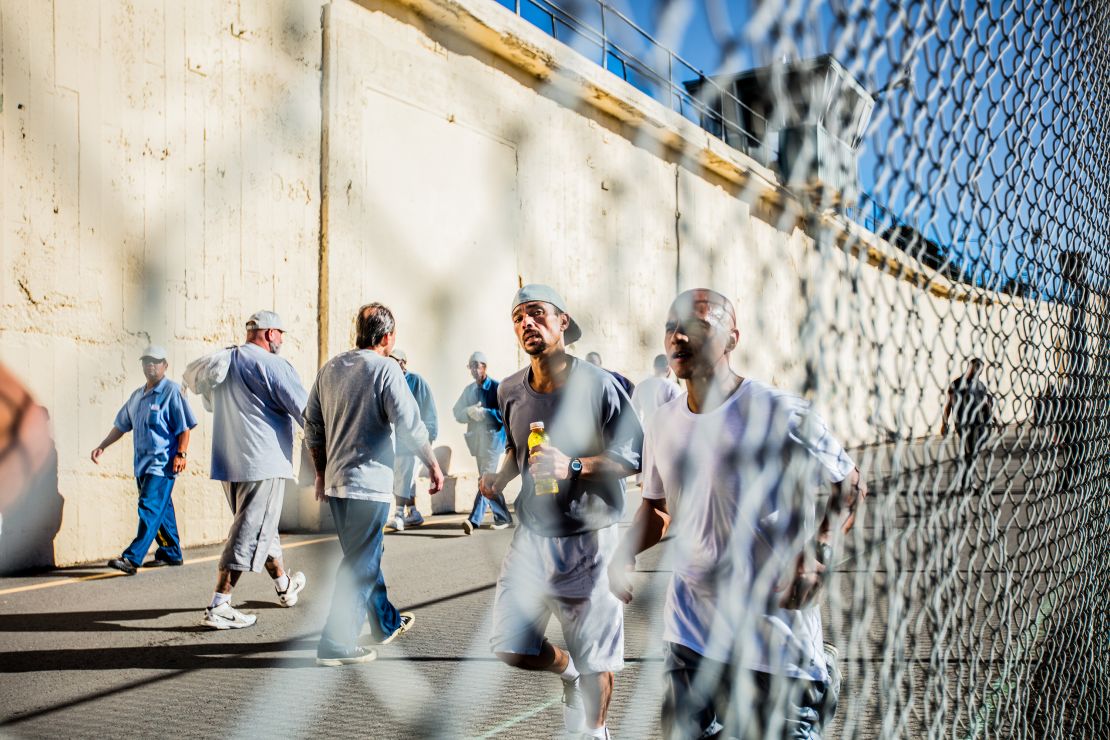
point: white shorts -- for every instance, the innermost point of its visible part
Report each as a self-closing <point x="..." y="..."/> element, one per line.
<point x="567" y="577"/>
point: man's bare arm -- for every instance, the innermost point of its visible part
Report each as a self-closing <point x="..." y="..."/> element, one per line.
<point x="810" y="567"/>
<point x="491" y="484"/>
<point x="427" y="456"/>
<point x="648" y="527"/>
<point x="114" y="435"/>
<point x="844" y="500"/>
<point x="550" y="462"/>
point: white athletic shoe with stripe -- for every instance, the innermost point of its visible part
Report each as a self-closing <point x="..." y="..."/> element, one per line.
<point x="225" y="617"/>
<point x="289" y="597"/>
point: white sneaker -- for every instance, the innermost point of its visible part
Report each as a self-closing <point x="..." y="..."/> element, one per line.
<point x="288" y="597"/>
<point x="415" y="519"/>
<point x="225" y="617"/>
<point x="467" y="526"/>
<point x="398" y="523"/>
<point x="499" y="525"/>
<point x="574" y="712"/>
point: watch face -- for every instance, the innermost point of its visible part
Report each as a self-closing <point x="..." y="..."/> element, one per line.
<point x="576" y="465"/>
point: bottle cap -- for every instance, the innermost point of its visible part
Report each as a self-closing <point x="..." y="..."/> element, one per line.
<point x="536" y="425"/>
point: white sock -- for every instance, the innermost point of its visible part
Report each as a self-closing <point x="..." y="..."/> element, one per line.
<point x="599" y="732"/>
<point x="282" y="582"/>
<point x="218" y="598"/>
<point x="571" y="672"/>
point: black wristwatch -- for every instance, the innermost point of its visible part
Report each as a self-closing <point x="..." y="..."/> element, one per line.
<point x="181" y="454"/>
<point x="575" y="468"/>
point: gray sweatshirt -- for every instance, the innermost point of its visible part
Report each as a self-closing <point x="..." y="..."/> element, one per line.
<point x="357" y="396"/>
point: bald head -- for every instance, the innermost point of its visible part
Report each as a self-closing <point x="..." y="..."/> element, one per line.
<point x="700" y="333"/>
<point x="706" y="304"/>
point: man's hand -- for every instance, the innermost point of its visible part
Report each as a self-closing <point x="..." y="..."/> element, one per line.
<point x="619" y="582"/>
<point x="548" y="462"/>
<point x="178" y="464"/>
<point x="436" y="476"/>
<point x="320" y="487"/>
<point x="476" y="412"/>
<point x="489" y="485"/>
<point x="802" y="591"/>
<point x="95" y="456"/>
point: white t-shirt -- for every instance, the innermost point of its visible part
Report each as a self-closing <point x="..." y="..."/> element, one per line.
<point x="651" y="394"/>
<point x="739" y="484"/>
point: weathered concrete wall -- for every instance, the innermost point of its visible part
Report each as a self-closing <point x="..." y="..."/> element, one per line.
<point x="162" y="180"/>
<point x="469" y="151"/>
<point x="160" y="174"/>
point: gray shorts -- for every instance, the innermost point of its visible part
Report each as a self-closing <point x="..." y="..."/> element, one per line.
<point x="253" y="537"/>
<point x="567" y="577"/>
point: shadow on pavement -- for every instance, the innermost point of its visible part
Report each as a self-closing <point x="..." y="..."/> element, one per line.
<point x="171" y="657"/>
<point x="98" y="621"/>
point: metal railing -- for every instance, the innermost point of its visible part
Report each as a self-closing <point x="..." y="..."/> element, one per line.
<point x="604" y="38"/>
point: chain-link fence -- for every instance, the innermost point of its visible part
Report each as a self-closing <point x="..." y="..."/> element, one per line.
<point x="921" y="223"/>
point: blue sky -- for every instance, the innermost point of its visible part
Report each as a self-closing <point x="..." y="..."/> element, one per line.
<point x="966" y="148"/>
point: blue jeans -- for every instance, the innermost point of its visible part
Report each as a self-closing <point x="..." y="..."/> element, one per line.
<point x="359" y="585"/>
<point x="487" y="458"/>
<point x="156" y="519"/>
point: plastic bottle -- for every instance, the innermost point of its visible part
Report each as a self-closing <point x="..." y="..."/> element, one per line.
<point x="537" y="437"/>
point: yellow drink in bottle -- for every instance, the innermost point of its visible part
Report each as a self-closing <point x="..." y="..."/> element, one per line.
<point x="537" y="437"/>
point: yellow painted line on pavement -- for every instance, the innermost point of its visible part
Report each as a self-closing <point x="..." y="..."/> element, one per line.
<point x="98" y="576"/>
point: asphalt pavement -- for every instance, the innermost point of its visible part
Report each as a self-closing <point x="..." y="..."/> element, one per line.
<point x="85" y="652"/>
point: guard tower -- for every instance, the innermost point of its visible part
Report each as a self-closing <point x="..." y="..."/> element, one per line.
<point x="804" y="118"/>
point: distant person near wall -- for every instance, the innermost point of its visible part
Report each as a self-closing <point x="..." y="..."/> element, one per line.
<point x="405" y="463"/>
<point x="160" y="418"/>
<point x="485" y="439"/>
<point x="970" y="409"/>
<point x="656" y="390"/>
<point x="256" y="397"/>
<point x="627" y="385"/>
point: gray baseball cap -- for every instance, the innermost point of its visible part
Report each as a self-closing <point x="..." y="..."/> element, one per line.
<point x="479" y="357"/>
<point x="154" y="352"/>
<point x="265" y="320"/>
<point x="547" y="294"/>
<point x="399" y="355"/>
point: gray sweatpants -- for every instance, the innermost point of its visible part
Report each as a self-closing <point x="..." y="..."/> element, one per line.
<point x="253" y="536"/>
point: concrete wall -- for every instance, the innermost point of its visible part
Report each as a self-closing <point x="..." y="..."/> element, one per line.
<point x="160" y="172"/>
<point x="162" y="180"/>
<point x="468" y="151"/>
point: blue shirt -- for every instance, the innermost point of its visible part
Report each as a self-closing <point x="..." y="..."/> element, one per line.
<point x="485" y="395"/>
<point x="423" y="395"/>
<point x="255" y="407"/>
<point x="156" y="416"/>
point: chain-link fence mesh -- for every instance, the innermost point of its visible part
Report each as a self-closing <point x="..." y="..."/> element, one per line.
<point x="973" y="599"/>
<point x="941" y="196"/>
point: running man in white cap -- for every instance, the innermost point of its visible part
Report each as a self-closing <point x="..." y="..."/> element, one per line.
<point x="161" y="419"/>
<point x="256" y="399"/>
<point x="557" y="562"/>
<point x="485" y="438"/>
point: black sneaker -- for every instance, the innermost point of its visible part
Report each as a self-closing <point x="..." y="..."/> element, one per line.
<point x="124" y="565"/>
<point x="160" y="559"/>
<point x="356" y="654"/>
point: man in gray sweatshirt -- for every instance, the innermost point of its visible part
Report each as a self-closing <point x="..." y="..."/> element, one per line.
<point x="357" y="396"/>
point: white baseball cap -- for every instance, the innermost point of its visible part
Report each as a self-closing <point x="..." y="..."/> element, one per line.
<point x="265" y="320"/>
<point x="154" y="352"/>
